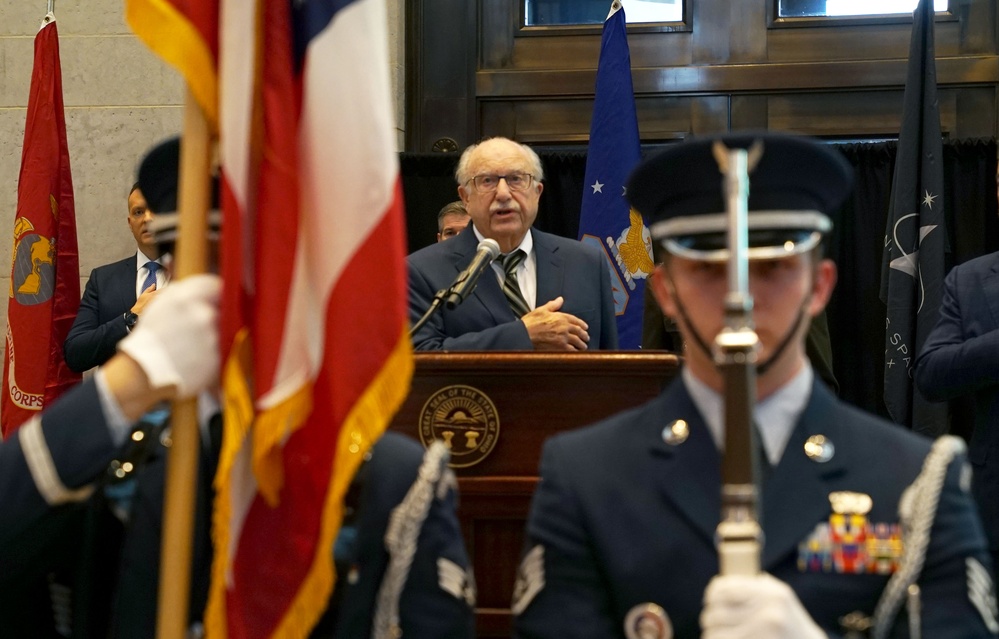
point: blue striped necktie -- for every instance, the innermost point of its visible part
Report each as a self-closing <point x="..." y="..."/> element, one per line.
<point x="151" y="278"/>
<point x="511" y="288"/>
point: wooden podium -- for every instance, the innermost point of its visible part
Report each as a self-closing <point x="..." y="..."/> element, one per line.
<point x="496" y="410"/>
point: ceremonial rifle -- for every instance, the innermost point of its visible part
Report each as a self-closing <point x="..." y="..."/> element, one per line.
<point x="740" y="537"/>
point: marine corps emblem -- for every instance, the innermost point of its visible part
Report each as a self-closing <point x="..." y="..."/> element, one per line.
<point x="465" y="419"/>
<point x="33" y="276"/>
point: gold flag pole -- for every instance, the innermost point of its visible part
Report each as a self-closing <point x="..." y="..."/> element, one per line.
<point x="182" y="464"/>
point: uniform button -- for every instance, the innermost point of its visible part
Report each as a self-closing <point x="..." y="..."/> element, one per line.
<point x="819" y="449"/>
<point x="676" y="432"/>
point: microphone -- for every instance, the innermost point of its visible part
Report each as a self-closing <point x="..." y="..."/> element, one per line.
<point x="465" y="283"/>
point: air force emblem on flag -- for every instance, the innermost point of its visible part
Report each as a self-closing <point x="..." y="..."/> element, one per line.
<point x="633" y="250"/>
<point x="629" y="258"/>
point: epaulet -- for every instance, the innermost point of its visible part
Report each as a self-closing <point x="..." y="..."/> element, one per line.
<point x="434" y="479"/>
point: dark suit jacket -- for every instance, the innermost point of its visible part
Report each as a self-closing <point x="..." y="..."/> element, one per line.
<point x="625" y="518"/>
<point x="484" y="320"/>
<point x="961" y="357"/>
<point x="100" y="322"/>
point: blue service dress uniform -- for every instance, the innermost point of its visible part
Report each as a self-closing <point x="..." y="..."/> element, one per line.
<point x="47" y="472"/>
<point x="622" y="518"/>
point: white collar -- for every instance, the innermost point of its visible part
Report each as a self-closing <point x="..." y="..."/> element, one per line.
<point x="526" y="245"/>
<point x="777" y="415"/>
<point x="141" y="260"/>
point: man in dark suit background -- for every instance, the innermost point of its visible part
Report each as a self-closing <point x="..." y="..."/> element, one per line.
<point x="557" y="295"/>
<point x="451" y="220"/>
<point x="116" y="295"/>
<point x="961" y="357"/>
<point x="622" y="538"/>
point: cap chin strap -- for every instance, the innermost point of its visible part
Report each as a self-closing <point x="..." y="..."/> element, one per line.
<point x="761" y="368"/>
<point x="686" y="318"/>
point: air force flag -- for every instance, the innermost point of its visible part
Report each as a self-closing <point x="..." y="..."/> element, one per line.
<point x="606" y="221"/>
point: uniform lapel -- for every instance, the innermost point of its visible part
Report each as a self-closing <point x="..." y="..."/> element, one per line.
<point x="487" y="293"/>
<point x="797" y="495"/>
<point x="687" y="473"/>
<point x="550" y="267"/>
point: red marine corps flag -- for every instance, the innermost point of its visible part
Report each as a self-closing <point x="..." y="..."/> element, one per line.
<point x="44" y="290"/>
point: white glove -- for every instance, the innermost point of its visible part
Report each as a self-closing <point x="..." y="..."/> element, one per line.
<point x="758" y="607"/>
<point x="176" y="342"/>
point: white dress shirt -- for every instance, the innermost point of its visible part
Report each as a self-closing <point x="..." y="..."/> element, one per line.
<point x="142" y="272"/>
<point x="527" y="271"/>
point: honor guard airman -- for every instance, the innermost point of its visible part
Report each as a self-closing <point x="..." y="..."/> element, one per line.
<point x="867" y="529"/>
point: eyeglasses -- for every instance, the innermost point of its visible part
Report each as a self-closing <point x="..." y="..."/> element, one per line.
<point x="514" y="182"/>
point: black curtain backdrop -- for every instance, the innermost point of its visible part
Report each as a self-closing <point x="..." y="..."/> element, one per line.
<point x="856" y="314"/>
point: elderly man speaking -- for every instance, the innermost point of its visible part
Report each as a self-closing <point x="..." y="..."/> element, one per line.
<point x="544" y="292"/>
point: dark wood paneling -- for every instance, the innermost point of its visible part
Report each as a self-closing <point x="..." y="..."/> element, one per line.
<point x="729" y="78"/>
<point x="537" y="83"/>
<point x="964" y="113"/>
<point x="729" y="32"/>
<point x="567" y="121"/>
<point x="440" y="71"/>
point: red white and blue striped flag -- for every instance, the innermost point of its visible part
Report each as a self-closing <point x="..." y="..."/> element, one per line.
<point x="314" y="304"/>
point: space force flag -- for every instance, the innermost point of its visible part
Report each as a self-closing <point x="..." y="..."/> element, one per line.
<point x="912" y="270"/>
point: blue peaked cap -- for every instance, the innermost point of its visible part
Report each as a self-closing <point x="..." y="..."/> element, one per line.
<point x="795" y="188"/>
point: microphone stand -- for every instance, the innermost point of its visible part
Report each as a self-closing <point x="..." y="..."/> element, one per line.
<point x="434" y="305"/>
<point x="739" y="533"/>
<point x="452" y="294"/>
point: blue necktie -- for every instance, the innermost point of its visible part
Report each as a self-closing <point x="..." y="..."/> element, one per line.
<point x="151" y="278"/>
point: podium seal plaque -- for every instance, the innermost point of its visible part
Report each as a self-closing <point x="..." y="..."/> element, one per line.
<point x="465" y="419"/>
